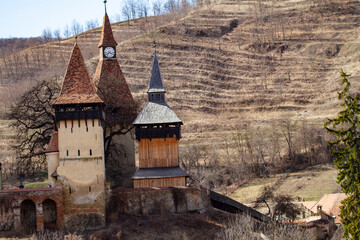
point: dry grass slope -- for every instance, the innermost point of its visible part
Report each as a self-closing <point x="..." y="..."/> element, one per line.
<point x="224" y="64"/>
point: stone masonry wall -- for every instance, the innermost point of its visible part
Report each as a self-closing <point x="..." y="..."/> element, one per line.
<point x="144" y="201"/>
<point x="10" y="207"/>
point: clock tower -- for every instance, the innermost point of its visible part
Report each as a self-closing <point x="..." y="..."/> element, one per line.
<point x="120" y="109"/>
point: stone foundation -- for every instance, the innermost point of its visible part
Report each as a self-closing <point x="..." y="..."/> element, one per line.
<point x="144" y="201"/>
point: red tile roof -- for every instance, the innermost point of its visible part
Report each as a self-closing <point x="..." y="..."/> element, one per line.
<point x="54" y="143"/>
<point x="107" y="38"/>
<point x="331" y="204"/>
<point x="111" y="84"/>
<point x="77" y="88"/>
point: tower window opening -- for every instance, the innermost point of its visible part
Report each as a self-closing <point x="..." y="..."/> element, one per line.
<point x="93" y="123"/>
<point x="87" y="129"/>
<point x="70" y="190"/>
<point x="78" y="152"/>
<point x="67" y="153"/>
<point x="89" y="188"/>
<point x="79" y="123"/>
<point x="90" y="152"/>
<point x="65" y="124"/>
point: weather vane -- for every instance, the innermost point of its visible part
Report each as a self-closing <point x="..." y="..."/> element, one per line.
<point x="105" y="1"/>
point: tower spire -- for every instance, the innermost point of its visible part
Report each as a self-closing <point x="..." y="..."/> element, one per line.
<point x="107" y="38"/>
<point x="105" y="1"/>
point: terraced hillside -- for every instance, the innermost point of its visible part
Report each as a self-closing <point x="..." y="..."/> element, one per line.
<point x="227" y="63"/>
<point x="235" y="62"/>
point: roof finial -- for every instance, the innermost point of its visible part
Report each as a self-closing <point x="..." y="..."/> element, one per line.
<point x="155" y="45"/>
<point x="105" y="1"/>
<point x="76" y="36"/>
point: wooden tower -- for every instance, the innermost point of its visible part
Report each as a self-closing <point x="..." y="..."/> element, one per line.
<point x="157" y="129"/>
<point x="80" y="167"/>
<point x="120" y="110"/>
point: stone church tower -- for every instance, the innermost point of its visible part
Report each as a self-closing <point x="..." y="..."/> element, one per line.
<point x="158" y="130"/>
<point x="120" y="110"/>
<point x="77" y="164"/>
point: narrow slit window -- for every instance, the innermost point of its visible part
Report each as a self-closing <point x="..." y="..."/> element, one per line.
<point x="87" y="129"/>
<point x="67" y="153"/>
<point x="90" y="152"/>
<point x="70" y="190"/>
<point x="65" y="124"/>
<point x="78" y="152"/>
<point x="71" y="130"/>
<point x="93" y="122"/>
<point x="89" y="188"/>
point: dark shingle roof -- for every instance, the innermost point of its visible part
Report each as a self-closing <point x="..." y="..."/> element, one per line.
<point x="156" y="111"/>
<point x="76" y="87"/>
<point x="156" y="84"/>
<point x="226" y="202"/>
<point x="163" y="172"/>
<point x="107" y="38"/>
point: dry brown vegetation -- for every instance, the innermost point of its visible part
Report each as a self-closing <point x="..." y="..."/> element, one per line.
<point x="227" y="65"/>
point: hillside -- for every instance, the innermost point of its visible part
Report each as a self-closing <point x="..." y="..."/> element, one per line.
<point x="225" y="64"/>
<point x="310" y="184"/>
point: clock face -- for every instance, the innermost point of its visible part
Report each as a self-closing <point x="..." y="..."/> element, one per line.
<point x="109" y="52"/>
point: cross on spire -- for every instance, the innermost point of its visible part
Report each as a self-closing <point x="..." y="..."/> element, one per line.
<point x="155" y="45"/>
<point x="105" y="1"/>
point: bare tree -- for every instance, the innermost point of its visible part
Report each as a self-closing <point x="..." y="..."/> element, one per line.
<point x="171" y="6"/>
<point x="67" y="32"/>
<point x="126" y="10"/>
<point x="47" y="35"/>
<point x="91" y="24"/>
<point x="117" y="17"/>
<point x="143" y="8"/>
<point x="157" y="6"/>
<point x="133" y="8"/>
<point x="34" y="120"/>
<point x="76" y="28"/>
<point x="57" y="34"/>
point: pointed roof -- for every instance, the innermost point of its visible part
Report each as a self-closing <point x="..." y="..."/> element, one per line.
<point x="54" y="143"/>
<point x="76" y="87"/>
<point x="107" y="38"/>
<point x="111" y="85"/>
<point x="156" y="83"/>
<point x="156" y="111"/>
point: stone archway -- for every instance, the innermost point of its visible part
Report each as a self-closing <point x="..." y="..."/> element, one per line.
<point x="50" y="214"/>
<point x="28" y="215"/>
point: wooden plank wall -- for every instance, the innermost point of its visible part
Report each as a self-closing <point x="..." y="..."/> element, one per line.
<point x="159" y="182"/>
<point x="158" y="152"/>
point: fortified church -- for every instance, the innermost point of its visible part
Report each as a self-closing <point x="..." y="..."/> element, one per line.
<point x="78" y="192"/>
